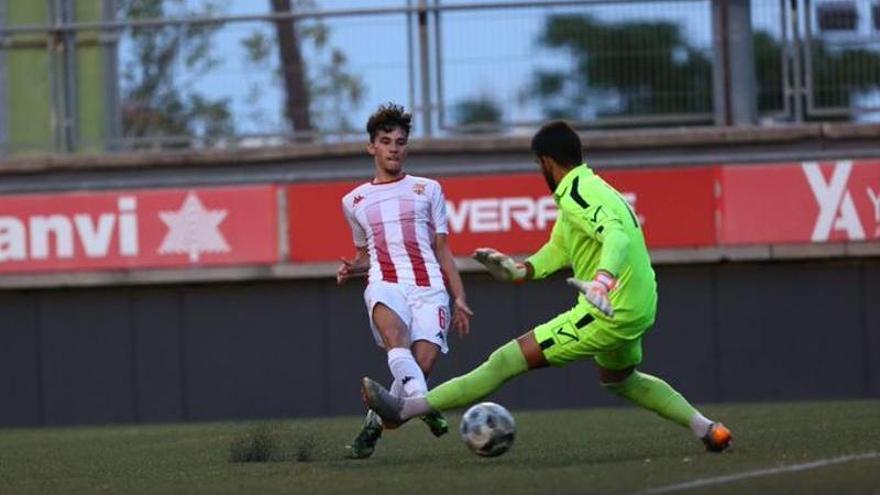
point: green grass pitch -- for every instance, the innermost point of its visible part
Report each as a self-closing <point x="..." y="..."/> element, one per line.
<point x="603" y="450"/>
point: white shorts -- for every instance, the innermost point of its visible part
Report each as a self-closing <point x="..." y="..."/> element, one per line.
<point x="424" y="310"/>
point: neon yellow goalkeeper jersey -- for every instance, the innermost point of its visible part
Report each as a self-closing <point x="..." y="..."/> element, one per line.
<point x="596" y="229"/>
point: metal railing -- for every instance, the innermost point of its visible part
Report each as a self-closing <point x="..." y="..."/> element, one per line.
<point x="195" y="78"/>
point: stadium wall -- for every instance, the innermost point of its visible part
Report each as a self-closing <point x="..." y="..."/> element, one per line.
<point x="270" y="336"/>
<point x="725" y="332"/>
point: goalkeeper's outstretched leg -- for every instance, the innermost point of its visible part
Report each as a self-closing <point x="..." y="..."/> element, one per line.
<point x="654" y="394"/>
<point x="528" y="352"/>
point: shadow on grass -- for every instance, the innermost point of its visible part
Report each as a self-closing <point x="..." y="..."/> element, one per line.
<point x="272" y="443"/>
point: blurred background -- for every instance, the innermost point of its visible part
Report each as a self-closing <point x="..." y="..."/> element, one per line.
<point x="119" y="75"/>
<point x="171" y="171"/>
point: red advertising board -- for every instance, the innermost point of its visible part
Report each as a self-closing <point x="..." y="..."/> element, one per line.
<point x="317" y="230"/>
<point x="515" y="213"/>
<point x="676" y="206"/>
<point x="809" y="202"/>
<point x="679" y="207"/>
<point x="138" y="229"/>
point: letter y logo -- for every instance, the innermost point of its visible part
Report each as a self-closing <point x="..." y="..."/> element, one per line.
<point x="836" y="208"/>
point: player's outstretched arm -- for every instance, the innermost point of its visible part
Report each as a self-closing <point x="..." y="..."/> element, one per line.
<point x="502" y="266"/>
<point x="461" y="312"/>
<point x="551" y="257"/>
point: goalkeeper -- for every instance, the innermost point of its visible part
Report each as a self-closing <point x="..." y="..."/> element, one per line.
<point x="599" y="237"/>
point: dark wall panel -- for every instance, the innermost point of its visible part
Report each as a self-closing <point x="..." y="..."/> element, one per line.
<point x="494" y="323"/>
<point x="20" y="388"/>
<point x="790" y="331"/>
<point x="871" y="328"/>
<point x="725" y="332"/>
<point x="682" y="346"/>
<point x="156" y="330"/>
<point x="87" y="356"/>
<point x="253" y="350"/>
<point x="350" y="352"/>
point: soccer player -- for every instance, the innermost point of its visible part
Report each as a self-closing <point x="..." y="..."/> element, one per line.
<point x="399" y="226"/>
<point x="599" y="237"/>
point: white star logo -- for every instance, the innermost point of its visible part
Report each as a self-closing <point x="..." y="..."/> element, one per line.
<point x="193" y="230"/>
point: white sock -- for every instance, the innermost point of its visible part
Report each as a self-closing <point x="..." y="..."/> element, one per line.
<point x="415" y="406"/>
<point x="405" y="369"/>
<point x="396" y="388"/>
<point x="700" y="425"/>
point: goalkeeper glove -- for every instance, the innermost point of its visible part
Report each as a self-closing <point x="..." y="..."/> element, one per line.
<point x="596" y="291"/>
<point x="500" y="265"/>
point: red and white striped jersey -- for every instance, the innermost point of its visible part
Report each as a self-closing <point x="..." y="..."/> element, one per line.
<point x="397" y="222"/>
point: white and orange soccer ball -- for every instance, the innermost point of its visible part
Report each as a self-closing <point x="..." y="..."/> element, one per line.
<point x="488" y="429"/>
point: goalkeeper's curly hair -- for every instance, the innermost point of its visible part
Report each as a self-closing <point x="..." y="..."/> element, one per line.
<point x="388" y="117"/>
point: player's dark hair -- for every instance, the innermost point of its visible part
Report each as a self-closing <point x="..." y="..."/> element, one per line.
<point x="388" y="117"/>
<point x="557" y="140"/>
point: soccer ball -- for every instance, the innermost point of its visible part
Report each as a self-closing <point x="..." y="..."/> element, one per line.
<point x="487" y="429"/>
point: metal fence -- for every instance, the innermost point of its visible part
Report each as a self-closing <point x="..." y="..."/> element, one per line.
<point x="150" y="74"/>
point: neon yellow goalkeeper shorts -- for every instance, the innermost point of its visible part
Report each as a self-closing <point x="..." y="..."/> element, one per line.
<point x="577" y="334"/>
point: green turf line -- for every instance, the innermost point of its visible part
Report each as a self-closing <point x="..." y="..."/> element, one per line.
<point x="598" y="450"/>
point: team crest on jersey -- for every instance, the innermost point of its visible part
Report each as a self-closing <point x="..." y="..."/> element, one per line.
<point x="419" y="188"/>
<point x="357" y="199"/>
